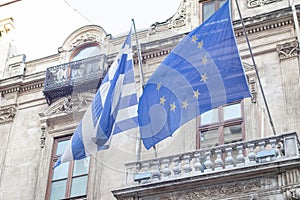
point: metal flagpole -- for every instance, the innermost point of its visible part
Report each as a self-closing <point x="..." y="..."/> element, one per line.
<point x="255" y="67"/>
<point x="138" y="142"/>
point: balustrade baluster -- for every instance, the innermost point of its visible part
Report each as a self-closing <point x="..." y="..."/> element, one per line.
<point x="240" y="157"/>
<point x="208" y="163"/>
<point x="177" y="168"/>
<point x="166" y="170"/>
<point x="219" y="162"/>
<point x="229" y="161"/>
<point x="156" y="170"/>
<point x="197" y="164"/>
<point x="187" y="167"/>
<point x="251" y="154"/>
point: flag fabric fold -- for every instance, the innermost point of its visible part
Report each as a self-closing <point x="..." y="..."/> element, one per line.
<point x="202" y="72"/>
<point x="113" y="109"/>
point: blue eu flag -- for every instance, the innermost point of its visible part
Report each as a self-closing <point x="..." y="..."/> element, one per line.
<point x="202" y="72"/>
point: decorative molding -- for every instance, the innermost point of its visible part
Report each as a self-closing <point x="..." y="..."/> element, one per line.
<point x="213" y="192"/>
<point x="265" y="27"/>
<point x="251" y="75"/>
<point x="178" y="20"/>
<point x="70" y="104"/>
<point x="7" y="114"/>
<point x="86" y="37"/>
<point x="257" y="3"/>
<point x="288" y="49"/>
<point x="43" y="136"/>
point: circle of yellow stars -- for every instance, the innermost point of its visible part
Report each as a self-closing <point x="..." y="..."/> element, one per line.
<point x="196" y="93"/>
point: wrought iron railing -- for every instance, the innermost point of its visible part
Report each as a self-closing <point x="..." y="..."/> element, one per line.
<point x="82" y="75"/>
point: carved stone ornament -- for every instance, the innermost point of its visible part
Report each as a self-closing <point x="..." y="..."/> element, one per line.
<point x="7" y="114"/>
<point x="256" y="3"/>
<point x="178" y="20"/>
<point x="68" y="104"/>
<point x="287" y="50"/>
<point x="213" y="192"/>
<point x="86" y="37"/>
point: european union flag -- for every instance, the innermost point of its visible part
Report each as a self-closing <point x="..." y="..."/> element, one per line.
<point x="202" y="72"/>
<point x="113" y="110"/>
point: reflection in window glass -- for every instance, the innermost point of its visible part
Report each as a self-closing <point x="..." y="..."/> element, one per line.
<point x="232" y="112"/>
<point x="208" y="9"/>
<point x="61" y="171"/>
<point x="232" y="134"/>
<point x="61" y="146"/>
<point x="58" y="190"/>
<point x="209" y="117"/>
<point x="87" y="52"/>
<point x="81" y="167"/>
<point x="209" y="138"/>
<point x="78" y="186"/>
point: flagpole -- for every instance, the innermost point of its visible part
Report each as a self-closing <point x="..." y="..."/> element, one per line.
<point x="255" y="67"/>
<point x="138" y="143"/>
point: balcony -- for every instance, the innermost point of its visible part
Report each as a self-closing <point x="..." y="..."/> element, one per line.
<point x="77" y="76"/>
<point x="266" y="168"/>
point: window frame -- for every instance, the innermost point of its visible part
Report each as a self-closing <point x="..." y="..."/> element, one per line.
<point x="221" y="124"/>
<point x="76" y="51"/>
<point x="70" y="176"/>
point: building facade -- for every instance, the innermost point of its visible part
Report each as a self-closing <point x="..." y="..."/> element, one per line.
<point x="231" y="152"/>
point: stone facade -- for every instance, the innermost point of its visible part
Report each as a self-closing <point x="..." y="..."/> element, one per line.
<point x="29" y="125"/>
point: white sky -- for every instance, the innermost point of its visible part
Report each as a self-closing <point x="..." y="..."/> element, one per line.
<point x="43" y="25"/>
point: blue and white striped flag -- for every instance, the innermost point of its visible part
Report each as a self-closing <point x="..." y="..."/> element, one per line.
<point x="113" y="110"/>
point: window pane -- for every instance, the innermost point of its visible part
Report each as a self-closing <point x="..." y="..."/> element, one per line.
<point x="58" y="190"/>
<point x="232" y="134"/>
<point x="209" y="138"/>
<point x="86" y="53"/>
<point x="209" y="117"/>
<point x="61" y="146"/>
<point x="79" y="186"/>
<point x="208" y="9"/>
<point x="61" y="171"/>
<point x="81" y="167"/>
<point x="222" y="2"/>
<point x="232" y="111"/>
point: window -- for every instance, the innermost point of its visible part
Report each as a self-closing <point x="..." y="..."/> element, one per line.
<point x="222" y="125"/>
<point x="209" y="7"/>
<point x="68" y="179"/>
<point x="86" y="51"/>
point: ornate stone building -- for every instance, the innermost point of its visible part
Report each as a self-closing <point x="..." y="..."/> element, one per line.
<point x="43" y="100"/>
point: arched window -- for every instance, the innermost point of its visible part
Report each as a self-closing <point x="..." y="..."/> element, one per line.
<point x="85" y="51"/>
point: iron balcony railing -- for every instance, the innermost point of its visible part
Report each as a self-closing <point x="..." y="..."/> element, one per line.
<point x="80" y="76"/>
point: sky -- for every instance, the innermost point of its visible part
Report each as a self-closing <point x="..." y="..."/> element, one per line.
<point x="43" y="25"/>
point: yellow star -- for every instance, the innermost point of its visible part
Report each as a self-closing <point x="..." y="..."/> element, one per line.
<point x="196" y="94"/>
<point x="204" y="60"/>
<point x="185" y="104"/>
<point x="204" y="77"/>
<point x="158" y="86"/>
<point x="173" y="107"/>
<point x="162" y="100"/>
<point x="194" y="38"/>
<point x="200" y="44"/>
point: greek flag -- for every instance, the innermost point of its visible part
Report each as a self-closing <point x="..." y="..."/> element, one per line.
<point x="113" y="110"/>
<point x="202" y="72"/>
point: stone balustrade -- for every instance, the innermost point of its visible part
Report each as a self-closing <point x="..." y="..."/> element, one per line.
<point x="219" y="158"/>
